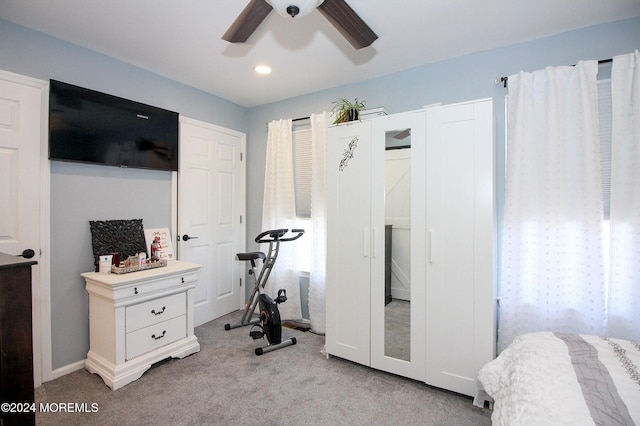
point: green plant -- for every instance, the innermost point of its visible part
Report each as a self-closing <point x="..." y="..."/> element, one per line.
<point x="344" y="110"/>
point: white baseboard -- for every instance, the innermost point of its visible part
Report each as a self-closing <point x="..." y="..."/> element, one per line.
<point x="67" y="369"/>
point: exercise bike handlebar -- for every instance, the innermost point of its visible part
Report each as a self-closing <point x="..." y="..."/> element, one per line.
<point x="277" y="234"/>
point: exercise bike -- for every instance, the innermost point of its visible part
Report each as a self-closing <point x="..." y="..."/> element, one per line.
<point x="268" y="322"/>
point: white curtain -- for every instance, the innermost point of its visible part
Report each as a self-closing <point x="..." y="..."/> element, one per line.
<point x="624" y="296"/>
<point x="552" y="265"/>
<point x="317" y="276"/>
<point x="279" y="211"/>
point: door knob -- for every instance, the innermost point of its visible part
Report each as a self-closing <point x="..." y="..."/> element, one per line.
<point x="27" y="254"/>
<point x="186" y="237"/>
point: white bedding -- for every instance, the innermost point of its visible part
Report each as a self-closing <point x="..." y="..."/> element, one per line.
<point x="535" y="381"/>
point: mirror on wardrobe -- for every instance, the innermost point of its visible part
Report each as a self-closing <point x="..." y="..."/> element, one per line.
<point x="397" y="310"/>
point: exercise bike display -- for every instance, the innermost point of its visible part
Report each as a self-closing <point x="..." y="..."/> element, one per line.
<point x="268" y="323"/>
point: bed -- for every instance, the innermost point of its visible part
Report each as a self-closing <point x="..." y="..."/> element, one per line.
<point x="564" y="379"/>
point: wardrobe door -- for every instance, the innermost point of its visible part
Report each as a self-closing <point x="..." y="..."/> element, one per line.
<point x="349" y="241"/>
<point x="398" y="202"/>
<point x="460" y="266"/>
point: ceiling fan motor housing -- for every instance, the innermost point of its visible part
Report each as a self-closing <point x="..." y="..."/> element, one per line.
<point x="293" y="8"/>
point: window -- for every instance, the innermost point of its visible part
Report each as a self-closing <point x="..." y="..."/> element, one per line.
<point x="302" y="183"/>
<point x="302" y="170"/>
<point x="604" y="120"/>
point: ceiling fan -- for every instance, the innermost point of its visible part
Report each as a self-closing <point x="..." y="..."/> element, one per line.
<point x="403" y="134"/>
<point x="338" y="12"/>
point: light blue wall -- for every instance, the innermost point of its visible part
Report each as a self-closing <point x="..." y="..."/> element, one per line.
<point x="80" y="192"/>
<point x="460" y="79"/>
<point x="34" y="54"/>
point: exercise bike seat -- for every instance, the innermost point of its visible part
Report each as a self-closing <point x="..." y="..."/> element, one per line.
<point x="254" y="255"/>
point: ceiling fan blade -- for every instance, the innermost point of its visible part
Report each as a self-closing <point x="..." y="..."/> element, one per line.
<point x="348" y="23"/>
<point x="247" y="22"/>
<point x="403" y="134"/>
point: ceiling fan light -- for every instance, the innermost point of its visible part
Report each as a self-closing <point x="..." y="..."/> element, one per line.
<point x="286" y="8"/>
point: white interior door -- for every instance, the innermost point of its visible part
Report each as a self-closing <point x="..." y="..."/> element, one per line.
<point x="210" y="210"/>
<point x="22" y="121"/>
<point x="19" y="168"/>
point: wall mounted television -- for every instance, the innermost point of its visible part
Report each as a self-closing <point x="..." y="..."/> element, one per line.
<point x="92" y="127"/>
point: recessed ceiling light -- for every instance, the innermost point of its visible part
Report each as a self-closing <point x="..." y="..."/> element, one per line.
<point x="263" y="69"/>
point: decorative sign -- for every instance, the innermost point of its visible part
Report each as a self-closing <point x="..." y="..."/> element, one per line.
<point x="125" y="237"/>
<point x="348" y="153"/>
<point x="165" y="250"/>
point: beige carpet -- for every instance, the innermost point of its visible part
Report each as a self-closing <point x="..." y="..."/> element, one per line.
<point x="227" y="384"/>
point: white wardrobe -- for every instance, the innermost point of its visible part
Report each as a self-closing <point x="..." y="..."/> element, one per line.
<point x="438" y="208"/>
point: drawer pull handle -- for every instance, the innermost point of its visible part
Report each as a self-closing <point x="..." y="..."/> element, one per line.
<point x="153" y="311"/>
<point x="159" y="337"/>
<point x="182" y="278"/>
<point x="135" y="290"/>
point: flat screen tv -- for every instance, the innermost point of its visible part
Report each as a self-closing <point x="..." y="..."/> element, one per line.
<point x="92" y="127"/>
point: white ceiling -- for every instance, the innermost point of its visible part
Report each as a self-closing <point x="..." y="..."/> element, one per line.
<point x="181" y="39"/>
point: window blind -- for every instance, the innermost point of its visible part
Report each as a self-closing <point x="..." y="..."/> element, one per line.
<point x="302" y="171"/>
<point x="604" y="119"/>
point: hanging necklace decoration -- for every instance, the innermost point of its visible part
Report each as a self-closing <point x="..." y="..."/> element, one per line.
<point x="348" y="153"/>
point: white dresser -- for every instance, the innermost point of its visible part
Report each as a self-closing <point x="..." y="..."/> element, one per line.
<point x="138" y="319"/>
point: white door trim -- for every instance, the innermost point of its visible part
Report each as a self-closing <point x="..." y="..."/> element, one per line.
<point x="42" y="363"/>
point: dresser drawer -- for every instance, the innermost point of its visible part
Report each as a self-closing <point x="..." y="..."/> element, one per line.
<point x="155" y="311"/>
<point x="154" y="285"/>
<point x="152" y="337"/>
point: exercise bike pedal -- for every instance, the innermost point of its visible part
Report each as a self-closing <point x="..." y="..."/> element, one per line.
<point x="256" y="334"/>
